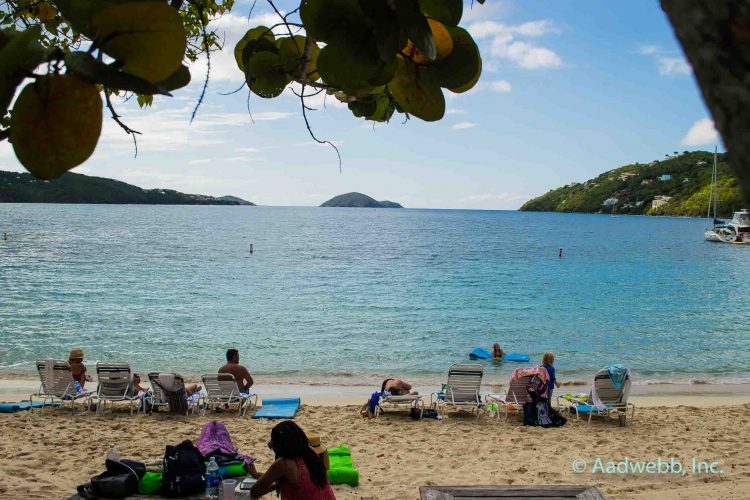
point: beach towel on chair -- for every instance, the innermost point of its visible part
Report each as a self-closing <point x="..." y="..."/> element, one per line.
<point x="278" y="408"/>
<point x="342" y="470"/>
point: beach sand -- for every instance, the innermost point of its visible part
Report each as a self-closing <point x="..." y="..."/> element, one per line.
<point x="47" y="453"/>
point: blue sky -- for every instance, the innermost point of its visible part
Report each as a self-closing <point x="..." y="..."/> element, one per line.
<point x="571" y="88"/>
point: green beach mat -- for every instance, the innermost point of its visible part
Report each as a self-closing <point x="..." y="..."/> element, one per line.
<point x="342" y="469"/>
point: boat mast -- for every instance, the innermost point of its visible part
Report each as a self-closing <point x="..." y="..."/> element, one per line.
<point x="711" y="196"/>
<point x="716" y="181"/>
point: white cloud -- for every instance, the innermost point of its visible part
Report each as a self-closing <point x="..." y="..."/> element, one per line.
<point x="200" y="161"/>
<point x="702" y="133"/>
<point x="455" y="111"/>
<point x="502" y="86"/>
<point x="674" y="66"/>
<point x="463" y="125"/>
<point x="503" y="43"/>
<point x="668" y="62"/>
<point x="247" y="150"/>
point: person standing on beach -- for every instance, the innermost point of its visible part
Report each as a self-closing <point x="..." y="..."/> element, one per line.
<point x="548" y="362"/>
<point x="241" y="374"/>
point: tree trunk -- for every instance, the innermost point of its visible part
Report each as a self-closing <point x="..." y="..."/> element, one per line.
<point x="715" y="35"/>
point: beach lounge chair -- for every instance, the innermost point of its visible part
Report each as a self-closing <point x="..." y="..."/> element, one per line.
<point x="513" y="400"/>
<point x="606" y="399"/>
<point x="56" y="383"/>
<point x="221" y="388"/>
<point x="115" y="385"/>
<point x="385" y="399"/>
<point x="168" y="390"/>
<point x="461" y="390"/>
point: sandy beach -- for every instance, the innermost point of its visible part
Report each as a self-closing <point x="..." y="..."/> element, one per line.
<point x="48" y="453"/>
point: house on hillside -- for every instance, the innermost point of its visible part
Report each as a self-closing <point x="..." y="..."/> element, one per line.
<point x="659" y="201"/>
<point x="625" y="176"/>
<point x="646" y="182"/>
<point x="665" y="178"/>
<point x="610" y="201"/>
<point x="701" y="163"/>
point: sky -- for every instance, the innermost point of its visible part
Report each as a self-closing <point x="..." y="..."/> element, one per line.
<point x="570" y="89"/>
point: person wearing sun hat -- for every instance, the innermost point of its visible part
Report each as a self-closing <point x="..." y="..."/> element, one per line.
<point x="321" y="450"/>
<point x="77" y="368"/>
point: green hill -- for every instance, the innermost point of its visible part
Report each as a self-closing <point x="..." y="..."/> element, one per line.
<point x="683" y="180"/>
<point x="358" y="200"/>
<point x="16" y="187"/>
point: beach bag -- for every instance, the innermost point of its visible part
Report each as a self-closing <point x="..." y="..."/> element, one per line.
<point x="542" y="413"/>
<point x="529" y="414"/>
<point x="184" y="471"/>
<point x="556" y="420"/>
<point x="150" y="484"/>
<point x="536" y="388"/>
<point x="119" y="480"/>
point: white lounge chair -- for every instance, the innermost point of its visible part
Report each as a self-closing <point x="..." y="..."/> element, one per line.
<point x="115" y="385"/>
<point x="462" y="389"/>
<point x="56" y="383"/>
<point x="221" y="388"/>
<point x="168" y="390"/>
<point x="157" y="398"/>
<point x="612" y="402"/>
<point x="412" y="400"/>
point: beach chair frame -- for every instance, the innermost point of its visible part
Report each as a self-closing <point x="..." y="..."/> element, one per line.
<point x="158" y="397"/>
<point x="610" y="397"/>
<point x="461" y="390"/>
<point x="62" y="388"/>
<point x="115" y="385"/>
<point x="221" y="389"/>
<point x="412" y="400"/>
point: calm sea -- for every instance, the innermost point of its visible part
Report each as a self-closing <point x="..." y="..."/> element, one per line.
<point x="347" y="296"/>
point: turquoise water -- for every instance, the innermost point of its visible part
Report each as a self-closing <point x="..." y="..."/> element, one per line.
<point x="351" y="295"/>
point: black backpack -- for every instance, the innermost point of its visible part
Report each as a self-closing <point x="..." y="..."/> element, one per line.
<point x="184" y="471"/>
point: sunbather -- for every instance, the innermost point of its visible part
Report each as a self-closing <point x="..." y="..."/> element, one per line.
<point x="396" y="387"/>
<point x="241" y="374"/>
<point x="298" y="472"/>
<point x="77" y="368"/>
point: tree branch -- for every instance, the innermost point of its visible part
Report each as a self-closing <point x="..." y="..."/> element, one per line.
<point x="117" y="120"/>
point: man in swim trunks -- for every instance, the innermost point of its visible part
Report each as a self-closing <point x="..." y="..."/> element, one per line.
<point x="241" y="375"/>
<point x="397" y="387"/>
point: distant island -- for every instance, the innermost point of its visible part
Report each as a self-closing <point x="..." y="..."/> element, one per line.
<point x="358" y="200"/>
<point x="678" y="185"/>
<point x="17" y="187"/>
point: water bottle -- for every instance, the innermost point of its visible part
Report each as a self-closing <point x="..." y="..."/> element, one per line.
<point x="212" y="479"/>
<point x="113" y="453"/>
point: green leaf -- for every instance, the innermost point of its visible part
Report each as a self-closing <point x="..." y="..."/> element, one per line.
<point x="292" y="51"/>
<point x="463" y="66"/>
<point x="145" y="100"/>
<point x="416" y="92"/>
<point x="265" y="74"/>
<point x="414" y="23"/>
<point x="334" y="20"/>
<point x="95" y="71"/>
<point x="255" y="40"/>
<point x="448" y="12"/>
<point x="354" y="68"/>
<point x="177" y="80"/>
<point x="20" y="55"/>
<point x="147" y="38"/>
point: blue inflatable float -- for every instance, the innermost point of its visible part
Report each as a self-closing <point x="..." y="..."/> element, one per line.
<point x="480" y="353"/>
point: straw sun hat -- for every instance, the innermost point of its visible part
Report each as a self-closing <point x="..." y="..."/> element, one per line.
<point x="314" y="440"/>
<point x="76" y="354"/>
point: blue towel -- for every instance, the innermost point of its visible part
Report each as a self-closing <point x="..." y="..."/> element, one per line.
<point x="374" y="401"/>
<point x="278" y="408"/>
<point x="23" y="405"/>
<point x="617" y="373"/>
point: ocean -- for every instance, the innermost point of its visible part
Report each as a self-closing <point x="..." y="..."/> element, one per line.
<point x="349" y="296"/>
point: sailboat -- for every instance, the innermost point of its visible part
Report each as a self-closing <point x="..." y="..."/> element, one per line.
<point x="614" y="210"/>
<point x="735" y="231"/>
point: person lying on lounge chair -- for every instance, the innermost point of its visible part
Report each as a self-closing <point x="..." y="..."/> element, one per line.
<point x="396" y="387"/>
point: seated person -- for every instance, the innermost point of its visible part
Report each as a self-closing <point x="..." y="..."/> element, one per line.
<point x="321" y="450"/>
<point x="298" y="472"/>
<point x="397" y="387"/>
<point x="497" y="351"/>
<point x="136" y="388"/>
<point x="77" y="368"/>
<point x="241" y="375"/>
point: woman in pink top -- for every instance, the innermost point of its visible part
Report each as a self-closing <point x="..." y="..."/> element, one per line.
<point x="298" y="472"/>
